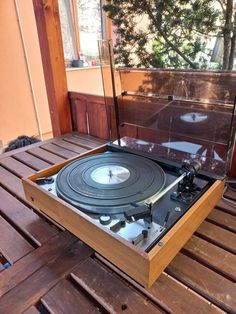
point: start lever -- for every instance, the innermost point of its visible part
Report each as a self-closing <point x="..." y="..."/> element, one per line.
<point x="137" y="213"/>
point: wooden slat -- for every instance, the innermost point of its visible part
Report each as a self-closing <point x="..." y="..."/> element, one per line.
<point x="79" y="115"/>
<point x="11" y="182"/>
<point x="178" y="299"/>
<point x="31" y="161"/>
<point x="22" y="149"/>
<point x="231" y="194"/>
<point x="218" y="236"/>
<point x="96" y="140"/>
<point x="29" y="291"/>
<point x="103" y="285"/>
<point x="32" y="310"/>
<point x="98" y="120"/>
<point x="81" y="142"/>
<point x="26" y="220"/>
<point x="222" y="219"/>
<point x="227" y="207"/>
<point x="168" y="293"/>
<point x="204" y="281"/>
<point x="26" y="266"/>
<point x="65" y="298"/>
<point x="88" y="143"/>
<point x="212" y="256"/>
<point x="16" y="167"/>
<point x="59" y="151"/>
<point x="14" y="185"/>
<point x="12" y="245"/>
<point x="70" y="146"/>
<point x="44" y="155"/>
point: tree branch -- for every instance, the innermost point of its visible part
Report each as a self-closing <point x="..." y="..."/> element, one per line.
<point x="227" y="33"/>
<point x="176" y="49"/>
<point x="233" y="43"/>
<point x="222" y="4"/>
<point x="208" y="35"/>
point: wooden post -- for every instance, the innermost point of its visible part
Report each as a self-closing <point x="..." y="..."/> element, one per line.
<point x="76" y="24"/>
<point x="50" y="40"/>
<point x="108" y="27"/>
<point x="232" y="172"/>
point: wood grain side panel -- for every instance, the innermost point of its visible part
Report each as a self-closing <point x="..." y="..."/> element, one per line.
<point x="174" y="240"/>
<point x="131" y="260"/>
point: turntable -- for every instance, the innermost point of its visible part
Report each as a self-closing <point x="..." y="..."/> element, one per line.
<point x="134" y="210"/>
<point x="137" y="201"/>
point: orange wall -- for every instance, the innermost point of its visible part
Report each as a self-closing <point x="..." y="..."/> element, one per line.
<point x="89" y="80"/>
<point x="23" y="99"/>
<point x="85" y="80"/>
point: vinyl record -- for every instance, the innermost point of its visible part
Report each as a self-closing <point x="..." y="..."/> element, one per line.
<point x="109" y="183"/>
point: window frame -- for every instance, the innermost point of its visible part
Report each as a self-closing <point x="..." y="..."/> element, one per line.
<point x="73" y="18"/>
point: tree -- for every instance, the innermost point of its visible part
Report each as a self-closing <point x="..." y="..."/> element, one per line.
<point x="228" y="32"/>
<point x="175" y="32"/>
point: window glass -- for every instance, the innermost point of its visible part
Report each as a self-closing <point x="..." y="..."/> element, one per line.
<point x="67" y="30"/>
<point x="90" y="30"/>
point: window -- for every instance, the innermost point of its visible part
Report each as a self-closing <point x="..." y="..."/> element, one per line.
<point x="83" y="23"/>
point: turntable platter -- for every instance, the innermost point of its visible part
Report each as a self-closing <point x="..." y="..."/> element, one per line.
<point x="110" y="183"/>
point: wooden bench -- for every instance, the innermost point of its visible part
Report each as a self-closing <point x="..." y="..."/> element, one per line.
<point x="54" y="272"/>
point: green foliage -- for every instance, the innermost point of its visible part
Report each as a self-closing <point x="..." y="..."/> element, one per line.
<point x="174" y="34"/>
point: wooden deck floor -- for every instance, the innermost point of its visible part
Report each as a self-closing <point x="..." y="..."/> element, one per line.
<point x="53" y="272"/>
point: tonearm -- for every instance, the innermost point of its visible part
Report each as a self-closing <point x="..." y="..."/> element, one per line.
<point x="185" y="182"/>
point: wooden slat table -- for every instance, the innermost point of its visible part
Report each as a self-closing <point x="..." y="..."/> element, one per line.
<point x="54" y="272"/>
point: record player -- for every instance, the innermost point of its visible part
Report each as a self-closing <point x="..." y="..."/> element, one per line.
<point x="138" y="199"/>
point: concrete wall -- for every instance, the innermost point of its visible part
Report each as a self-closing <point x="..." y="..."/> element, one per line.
<point x="23" y="99"/>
